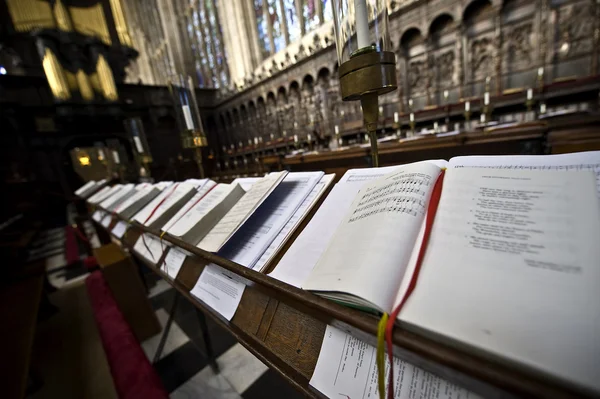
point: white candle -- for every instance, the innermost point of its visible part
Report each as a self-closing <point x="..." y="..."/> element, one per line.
<point x="486" y="98"/>
<point x="336" y="128"/>
<point x="445" y="94"/>
<point x="412" y="117"/>
<point x="367" y="138"/>
<point x="295" y="138"/>
<point x="541" y="71"/>
<point x="260" y="140"/>
<point x="116" y="157"/>
<point x="482" y="118"/>
<point x="256" y="141"/>
<point x="529" y="94"/>
<point x="410" y="102"/>
<point x="100" y="155"/>
<point x="224" y="148"/>
<point x="362" y="23"/>
<point x="467" y="106"/>
<point x="249" y="142"/>
<point x="396" y="117"/>
<point x="232" y="147"/>
<point x="380" y="110"/>
<point x="435" y="126"/>
<point x="240" y="144"/>
<point x="284" y="133"/>
<point x="309" y="137"/>
<point x="272" y="136"/>
<point x="542" y="108"/>
<point x="295" y="125"/>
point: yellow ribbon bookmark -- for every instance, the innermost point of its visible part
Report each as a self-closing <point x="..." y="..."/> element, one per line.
<point x="381" y="354"/>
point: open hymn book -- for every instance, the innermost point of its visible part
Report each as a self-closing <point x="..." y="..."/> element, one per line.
<point x="510" y="270"/>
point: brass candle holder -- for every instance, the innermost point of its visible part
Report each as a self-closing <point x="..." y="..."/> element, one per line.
<point x="367" y="64"/>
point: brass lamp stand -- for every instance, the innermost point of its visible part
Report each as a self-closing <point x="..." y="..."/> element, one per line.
<point x="367" y="75"/>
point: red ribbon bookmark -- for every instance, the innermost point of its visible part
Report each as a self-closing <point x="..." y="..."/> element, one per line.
<point x="429" y="219"/>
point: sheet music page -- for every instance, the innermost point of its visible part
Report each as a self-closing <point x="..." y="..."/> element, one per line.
<point x="171" y="199"/>
<point x="205" y="188"/>
<point x="251" y="240"/>
<point x="589" y="160"/>
<point x="142" y="215"/>
<point x="371" y="248"/>
<point x="511" y="269"/>
<point x="85" y="187"/>
<point x="152" y="249"/>
<point x="200" y="209"/>
<point x="116" y="198"/>
<point x="240" y="212"/>
<point x="137" y="196"/>
<point x="301" y="257"/>
<point x="294" y="221"/>
<point x="246" y="182"/>
<point x="103" y="194"/>
<point x="106" y="220"/>
<point x="219" y="289"/>
<point x="98" y="215"/>
<point x="347" y="368"/>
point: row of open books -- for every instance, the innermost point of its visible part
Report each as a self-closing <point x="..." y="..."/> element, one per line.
<point x="511" y="268"/>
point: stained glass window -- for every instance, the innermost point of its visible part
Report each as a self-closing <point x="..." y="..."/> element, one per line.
<point x="278" y="33"/>
<point x="311" y="14"/>
<point x="291" y="17"/>
<point x="263" y="30"/>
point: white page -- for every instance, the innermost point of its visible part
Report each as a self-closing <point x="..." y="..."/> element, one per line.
<point x="240" y="212"/>
<point x="153" y="248"/>
<point x="120" y="229"/>
<point x="219" y="289"/>
<point x="246" y="182"/>
<point x="85" y="187"/>
<point x="98" y="215"/>
<point x="248" y="244"/>
<point x="146" y="211"/>
<point x="173" y="261"/>
<point x="200" y="209"/>
<point x="512" y="270"/>
<point x="117" y="197"/>
<point x="565" y="162"/>
<point x="347" y="368"/>
<point x="206" y="186"/>
<point x="302" y="256"/>
<point x="170" y="200"/>
<point x="294" y="221"/>
<point x="370" y="250"/>
<point x="100" y="195"/>
<point x="112" y="191"/>
<point x="106" y="220"/>
<point x="140" y="193"/>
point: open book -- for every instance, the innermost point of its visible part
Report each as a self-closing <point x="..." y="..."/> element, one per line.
<point x="240" y="212"/>
<point x="511" y="268"/>
<point x="164" y="206"/>
<point x="144" y="193"/>
<point x="90" y="188"/>
<point x="203" y="213"/>
<point x="118" y="197"/>
<point x="103" y="194"/>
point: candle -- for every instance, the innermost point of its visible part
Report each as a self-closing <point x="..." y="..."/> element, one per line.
<point x="540" y="72"/>
<point x="272" y="136"/>
<point x="249" y="142"/>
<point x="396" y="117"/>
<point x="486" y="98"/>
<point x="295" y="138"/>
<point x="362" y="23"/>
<point x="100" y="155"/>
<point x="295" y="125"/>
<point x="284" y="133"/>
<point x="224" y="148"/>
<point x="435" y="126"/>
<point x="336" y="128"/>
<point x="412" y="117"/>
<point x="116" y="157"/>
<point x="467" y="106"/>
<point x="529" y="94"/>
<point x="445" y="94"/>
<point x="256" y="141"/>
<point x="542" y="108"/>
<point x="309" y="137"/>
<point x="380" y="110"/>
<point x="260" y="140"/>
<point x="410" y="102"/>
<point x="232" y="147"/>
<point x="482" y="118"/>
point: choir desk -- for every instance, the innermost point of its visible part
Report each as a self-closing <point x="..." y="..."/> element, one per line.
<point x="284" y="326"/>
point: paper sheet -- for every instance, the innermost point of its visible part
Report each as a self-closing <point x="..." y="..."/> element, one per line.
<point x="173" y="261"/>
<point x="98" y="215"/>
<point x="346" y="368"/>
<point x="202" y="190"/>
<point x="106" y="220"/>
<point x="152" y="250"/>
<point x="170" y="200"/>
<point x="589" y="160"/>
<point x="100" y="195"/>
<point x="146" y="211"/>
<point x="300" y="259"/>
<point x="294" y="221"/>
<point x="85" y="187"/>
<point x="511" y="269"/>
<point x="220" y="290"/>
<point x="120" y="229"/>
<point x="241" y="211"/>
<point x="246" y="182"/>
<point x="252" y="239"/>
<point x="140" y="193"/>
<point x="111" y="202"/>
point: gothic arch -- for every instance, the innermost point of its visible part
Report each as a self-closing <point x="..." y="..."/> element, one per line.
<point x="410" y="30"/>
